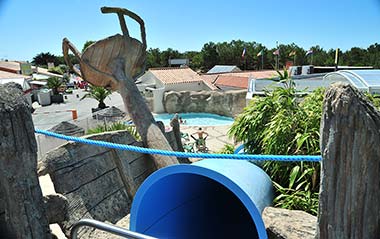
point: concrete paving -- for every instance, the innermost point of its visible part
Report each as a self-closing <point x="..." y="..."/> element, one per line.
<point x="46" y="117"/>
<point x="217" y="138"/>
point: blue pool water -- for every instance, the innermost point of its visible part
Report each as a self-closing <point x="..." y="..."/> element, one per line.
<point x="197" y="119"/>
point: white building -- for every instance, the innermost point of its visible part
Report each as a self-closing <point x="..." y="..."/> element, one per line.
<point x="156" y="81"/>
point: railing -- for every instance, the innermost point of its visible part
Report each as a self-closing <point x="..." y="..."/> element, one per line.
<point x="107" y="228"/>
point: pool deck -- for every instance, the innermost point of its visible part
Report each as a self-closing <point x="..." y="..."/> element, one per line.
<point x="217" y="136"/>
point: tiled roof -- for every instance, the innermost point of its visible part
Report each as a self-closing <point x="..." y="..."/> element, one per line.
<point x="232" y="81"/>
<point x="266" y="74"/>
<point x="9" y="75"/>
<point x="10" y="66"/>
<point x="175" y="75"/>
<point x="237" y="79"/>
<point x="209" y="81"/>
<point x="45" y="71"/>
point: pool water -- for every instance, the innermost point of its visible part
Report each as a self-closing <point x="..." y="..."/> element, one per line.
<point x="197" y="119"/>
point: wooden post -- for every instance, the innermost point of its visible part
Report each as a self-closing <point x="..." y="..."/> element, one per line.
<point x="350" y="180"/>
<point x="24" y="212"/>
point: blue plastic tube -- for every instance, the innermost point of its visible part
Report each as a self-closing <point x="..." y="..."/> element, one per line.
<point x="212" y="198"/>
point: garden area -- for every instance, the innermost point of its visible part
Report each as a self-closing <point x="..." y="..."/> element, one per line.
<point x="286" y="122"/>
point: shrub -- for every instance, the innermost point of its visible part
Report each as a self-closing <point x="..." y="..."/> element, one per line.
<point x="227" y="149"/>
<point x="284" y="123"/>
<point x="114" y="127"/>
<point x="98" y="93"/>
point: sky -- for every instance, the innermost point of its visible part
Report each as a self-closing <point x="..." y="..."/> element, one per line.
<point x="28" y="28"/>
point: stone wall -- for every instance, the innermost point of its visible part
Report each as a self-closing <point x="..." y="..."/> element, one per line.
<point x="229" y="103"/>
<point x="98" y="182"/>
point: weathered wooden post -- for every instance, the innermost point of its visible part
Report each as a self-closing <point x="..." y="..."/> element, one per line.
<point x="21" y="194"/>
<point x="349" y="204"/>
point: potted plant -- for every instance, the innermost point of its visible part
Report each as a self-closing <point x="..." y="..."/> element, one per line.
<point x="54" y="83"/>
<point x="99" y="94"/>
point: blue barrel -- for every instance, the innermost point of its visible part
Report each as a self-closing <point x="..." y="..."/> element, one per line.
<point x="212" y="198"/>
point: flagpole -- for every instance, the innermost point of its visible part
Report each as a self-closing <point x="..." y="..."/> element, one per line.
<point x="278" y="65"/>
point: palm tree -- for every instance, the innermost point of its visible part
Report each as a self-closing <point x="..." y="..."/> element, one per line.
<point x="99" y="94"/>
<point x="54" y="83"/>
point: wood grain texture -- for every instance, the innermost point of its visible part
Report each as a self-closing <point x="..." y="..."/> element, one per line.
<point x="350" y="180"/>
<point x="23" y="208"/>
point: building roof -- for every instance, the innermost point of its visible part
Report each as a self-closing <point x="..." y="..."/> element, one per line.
<point x="10" y="66"/>
<point x="223" y="69"/>
<point x="111" y="112"/>
<point x="209" y="80"/>
<point x="265" y="74"/>
<point x="175" y="75"/>
<point x="232" y="81"/>
<point x="9" y="75"/>
<point x="44" y="71"/>
<point x="237" y="79"/>
<point x="67" y="128"/>
<point x="368" y="80"/>
<point x="37" y="82"/>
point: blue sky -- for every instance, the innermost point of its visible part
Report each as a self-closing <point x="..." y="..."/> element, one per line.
<point x="30" y="27"/>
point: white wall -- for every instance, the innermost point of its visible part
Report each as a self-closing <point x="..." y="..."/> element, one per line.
<point x="158" y="95"/>
<point x="192" y="86"/>
<point x="147" y="80"/>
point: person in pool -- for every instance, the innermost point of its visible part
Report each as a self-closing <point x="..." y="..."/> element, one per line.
<point x="201" y="141"/>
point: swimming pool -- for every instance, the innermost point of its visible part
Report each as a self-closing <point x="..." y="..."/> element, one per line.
<point x="197" y="119"/>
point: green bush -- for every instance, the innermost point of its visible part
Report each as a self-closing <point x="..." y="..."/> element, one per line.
<point x="284" y="123"/>
<point x="57" y="70"/>
<point x="114" y="127"/>
<point x="227" y="149"/>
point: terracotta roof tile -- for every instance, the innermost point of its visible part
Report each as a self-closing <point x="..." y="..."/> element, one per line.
<point x="175" y="75"/>
<point x="232" y="81"/>
<point x="254" y="74"/>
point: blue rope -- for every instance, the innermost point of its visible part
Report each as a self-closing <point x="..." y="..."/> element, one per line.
<point x="182" y="154"/>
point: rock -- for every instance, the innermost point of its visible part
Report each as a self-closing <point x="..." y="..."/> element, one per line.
<point x="55" y="207"/>
<point x="283" y="224"/>
<point x="350" y="185"/>
<point x="230" y="103"/>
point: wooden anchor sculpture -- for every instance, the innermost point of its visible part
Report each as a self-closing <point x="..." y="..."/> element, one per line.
<point x="116" y="62"/>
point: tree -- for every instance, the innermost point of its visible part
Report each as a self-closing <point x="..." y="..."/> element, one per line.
<point x="210" y="56"/>
<point x="355" y="57"/>
<point x="195" y="58"/>
<point x="99" y="94"/>
<point x="43" y="59"/>
<point x="374" y="55"/>
<point x="153" y="58"/>
<point x="169" y="54"/>
<point x="87" y="44"/>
